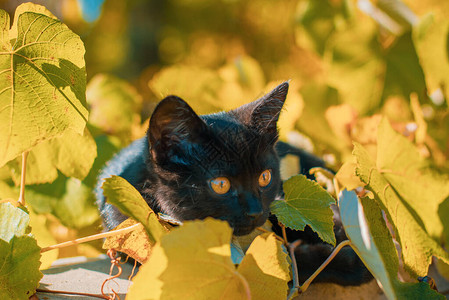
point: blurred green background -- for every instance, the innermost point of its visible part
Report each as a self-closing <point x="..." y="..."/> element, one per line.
<point x="349" y="63"/>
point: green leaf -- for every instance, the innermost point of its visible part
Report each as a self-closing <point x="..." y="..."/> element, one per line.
<point x="306" y="203"/>
<point x="19" y="268"/>
<point x="76" y="208"/>
<point x="19" y="254"/>
<point x="128" y="200"/>
<point x="319" y="20"/>
<point x="42" y="82"/>
<point x="404" y="74"/>
<point x="192" y="262"/>
<point x="374" y="245"/>
<point x="108" y="146"/>
<point x="13" y="221"/>
<point x="115" y="106"/>
<point x="8" y="191"/>
<point x="45" y="159"/>
<point x="266" y="268"/>
<point x="443" y="212"/>
<point x="417" y="246"/>
<point x="69" y="199"/>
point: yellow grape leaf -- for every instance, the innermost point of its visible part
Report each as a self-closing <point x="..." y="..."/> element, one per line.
<point x="357" y="64"/>
<point x="417" y="246"/>
<point x="366" y="228"/>
<point x="44" y="238"/>
<point x="421" y="131"/>
<point x="412" y="177"/>
<point x="42" y="80"/>
<point x="115" y="106"/>
<point x="347" y="178"/>
<point x="365" y="130"/>
<point x="45" y="159"/>
<point x="40" y="168"/>
<point x="243" y="81"/>
<point x="192" y="262"/>
<point x="198" y="86"/>
<point x="266" y="268"/>
<point x="317" y="97"/>
<point x="69" y="199"/>
<point x="135" y="243"/>
<point x="128" y="200"/>
<point x="430" y="40"/>
<point x="341" y="118"/>
<point x="147" y="284"/>
<point x="19" y="254"/>
<point x="289" y="166"/>
<point x="244" y="241"/>
<point x="291" y="111"/>
<point x="8" y="192"/>
<point x="13" y="222"/>
<point x="19" y="268"/>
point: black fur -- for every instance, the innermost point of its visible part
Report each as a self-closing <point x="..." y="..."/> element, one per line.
<point x="172" y="167"/>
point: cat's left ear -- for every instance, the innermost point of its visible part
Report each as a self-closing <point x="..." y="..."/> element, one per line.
<point x="263" y="114"/>
<point x="173" y="122"/>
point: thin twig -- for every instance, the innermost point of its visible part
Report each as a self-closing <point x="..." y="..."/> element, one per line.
<point x="291" y="248"/>
<point x="92" y="237"/>
<point x="306" y="284"/>
<point x="22" y="178"/>
<point x="284" y="234"/>
<point x="263" y="229"/>
<point x="115" y="262"/>
<point x="132" y="271"/>
<point x="70" y="293"/>
<point x="336" y="187"/>
<point x="267" y="231"/>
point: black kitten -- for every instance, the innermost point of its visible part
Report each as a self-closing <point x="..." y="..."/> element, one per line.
<point x="192" y="167"/>
<point x="223" y="165"/>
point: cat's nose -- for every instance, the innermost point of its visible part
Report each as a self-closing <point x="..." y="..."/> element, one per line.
<point x="255" y="210"/>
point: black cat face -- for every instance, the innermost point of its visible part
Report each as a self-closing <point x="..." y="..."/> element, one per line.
<point x="220" y="165"/>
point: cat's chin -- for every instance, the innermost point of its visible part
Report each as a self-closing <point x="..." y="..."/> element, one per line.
<point x="247" y="225"/>
<point x="243" y="230"/>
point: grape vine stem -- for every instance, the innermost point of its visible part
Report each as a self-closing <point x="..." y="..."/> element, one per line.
<point x="70" y="293"/>
<point x="22" y="179"/>
<point x="92" y="237"/>
<point x="291" y="248"/>
<point x="337" y="249"/>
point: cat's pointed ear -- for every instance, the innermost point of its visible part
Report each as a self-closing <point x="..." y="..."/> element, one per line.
<point x="263" y="114"/>
<point x="172" y="122"/>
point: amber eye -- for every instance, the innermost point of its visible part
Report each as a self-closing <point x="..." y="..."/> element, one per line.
<point x="220" y="185"/>
<point x="265" y="178"/>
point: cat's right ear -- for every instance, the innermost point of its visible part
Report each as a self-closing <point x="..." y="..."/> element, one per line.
<point x="263" y="114"/>
<point x="172" y="122"/>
